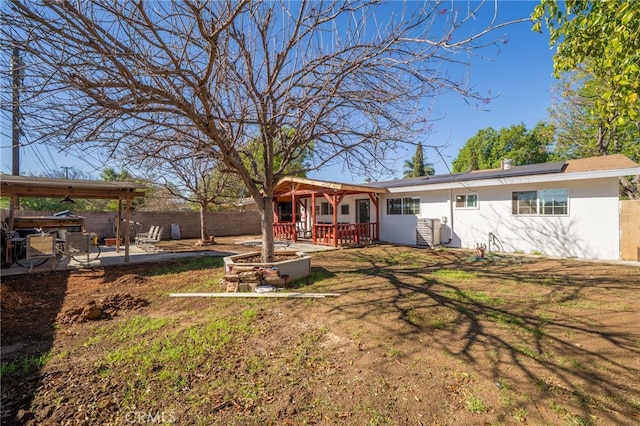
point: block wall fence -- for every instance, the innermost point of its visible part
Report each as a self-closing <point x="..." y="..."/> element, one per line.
<point x="630" y="230"/>
<point x="219" y="224"/>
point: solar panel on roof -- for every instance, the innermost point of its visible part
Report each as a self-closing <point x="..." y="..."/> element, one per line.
<point x="526" y="170"/>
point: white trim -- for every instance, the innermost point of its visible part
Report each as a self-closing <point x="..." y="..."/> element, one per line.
<point x="466" y="207"/>
<point x="515" y="180"/>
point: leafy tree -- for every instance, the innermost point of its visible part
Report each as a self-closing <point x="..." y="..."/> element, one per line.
<point x="416" y="166"/>
<point x="157" y="197"/>
<point x="52" y="205"/>
<point x="125" y="74"/>
<point x="111" y="175"/>
<point x="600" y="37"/>
<point x="580" y="134"/>
<point x="489" y="147"/>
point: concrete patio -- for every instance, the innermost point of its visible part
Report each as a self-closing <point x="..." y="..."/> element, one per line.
<point x="150" y="253"/>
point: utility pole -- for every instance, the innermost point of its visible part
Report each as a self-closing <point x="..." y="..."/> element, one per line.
<point x="17" y="74"/>
<point x="66" y="171"/>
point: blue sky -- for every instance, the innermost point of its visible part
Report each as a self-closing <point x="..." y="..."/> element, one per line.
<point x="519" y="74"/>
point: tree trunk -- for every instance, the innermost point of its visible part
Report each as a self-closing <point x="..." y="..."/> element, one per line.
<point x="204" y="234"/>
<point x="266" y="215"/>
<point x="630" y="187"/>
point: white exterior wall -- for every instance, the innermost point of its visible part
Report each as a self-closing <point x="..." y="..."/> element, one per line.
<point x="349" y="200"/>
<point x="401" y="229"/>
<point x="590" y="230"/>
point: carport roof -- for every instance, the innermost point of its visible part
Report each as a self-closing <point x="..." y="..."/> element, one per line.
<point x="38" y="187"/>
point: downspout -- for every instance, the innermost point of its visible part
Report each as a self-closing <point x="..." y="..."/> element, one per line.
<point x="450" y="216"/>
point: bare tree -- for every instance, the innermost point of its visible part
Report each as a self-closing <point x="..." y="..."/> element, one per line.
<point x="196" y="179"/>
<point x="348" y="76"/>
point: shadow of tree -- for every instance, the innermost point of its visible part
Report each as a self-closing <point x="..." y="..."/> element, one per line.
<point x="535" y="323"/>
<point x="178" y="266"/>
<point x="27" y="330"/>
<point x="550" y="235"/>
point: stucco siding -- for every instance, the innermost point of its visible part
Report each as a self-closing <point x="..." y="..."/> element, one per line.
<point x="401" y="229"/>
<point x="589" y="230"/>
<point x="348" y="200"/>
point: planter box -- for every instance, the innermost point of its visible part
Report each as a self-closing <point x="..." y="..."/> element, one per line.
<point x="112" y="242"/>
<point x="295" y="268"/>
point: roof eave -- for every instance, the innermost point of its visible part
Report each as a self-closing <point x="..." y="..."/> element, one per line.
<point x="513" y="180"/>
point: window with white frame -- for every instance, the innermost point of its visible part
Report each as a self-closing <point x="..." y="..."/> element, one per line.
<point x="548" y="202"/>
<point x="407" y="205"/>
<point x="554" y="202"/>
<point x="344" y="209"/>
<point x="467" y="201"/>
<point x="326" y="208"/>
<point x="411" y="205"/>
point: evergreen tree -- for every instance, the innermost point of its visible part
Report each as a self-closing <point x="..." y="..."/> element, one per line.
<point x="416" y="166"/>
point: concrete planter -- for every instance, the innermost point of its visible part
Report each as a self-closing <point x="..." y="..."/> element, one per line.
<point x="295" y="268"/>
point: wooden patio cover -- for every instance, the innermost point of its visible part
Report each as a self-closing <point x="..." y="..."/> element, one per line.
<point x="296" y="188"/>
<point x="307" y="186"/>
<point x="16" y="187"/>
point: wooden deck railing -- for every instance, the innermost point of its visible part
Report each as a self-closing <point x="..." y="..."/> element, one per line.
<point x="346" y="233"/>
<point x="285" y="231"/>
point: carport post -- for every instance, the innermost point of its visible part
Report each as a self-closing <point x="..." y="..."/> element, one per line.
<point x="127" y="230"/>
<point x="118" y="225"/>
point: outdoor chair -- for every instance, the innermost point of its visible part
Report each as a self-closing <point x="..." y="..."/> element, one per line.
<point x="154" y="236"/>
<point x="143" y="235"/>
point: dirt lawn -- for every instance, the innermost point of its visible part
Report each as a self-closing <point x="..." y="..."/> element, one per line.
<point x="416" y="337"/>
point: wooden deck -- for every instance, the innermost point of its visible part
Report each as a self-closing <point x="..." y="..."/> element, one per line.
<point x="341" y="234"/>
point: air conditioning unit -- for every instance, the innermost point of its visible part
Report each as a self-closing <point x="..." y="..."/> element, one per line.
<point x="428" y="232"/>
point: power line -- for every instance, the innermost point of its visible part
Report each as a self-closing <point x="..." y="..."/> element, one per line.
<point x="66" y="171"/>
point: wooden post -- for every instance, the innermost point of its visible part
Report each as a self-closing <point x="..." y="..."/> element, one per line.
<point x="127" y="230"/>
<point x="118" y="225"/>
<point x="376" y="202"/>
<point x="13" y="204"/>
<point x="294" y="207"/>
<point x="313" y="217"/>
<point x="334" y="202"/>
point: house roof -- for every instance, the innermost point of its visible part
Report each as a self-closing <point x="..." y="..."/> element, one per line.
<point x="29" y="186"/>
<point x="618" y="165"/>
<point x="604" y="162"/>
<point x="286" y="184"/>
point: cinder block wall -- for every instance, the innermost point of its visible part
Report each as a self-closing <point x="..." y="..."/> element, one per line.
<point x="630" y="230"/>
<point x="218" y="223"/>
